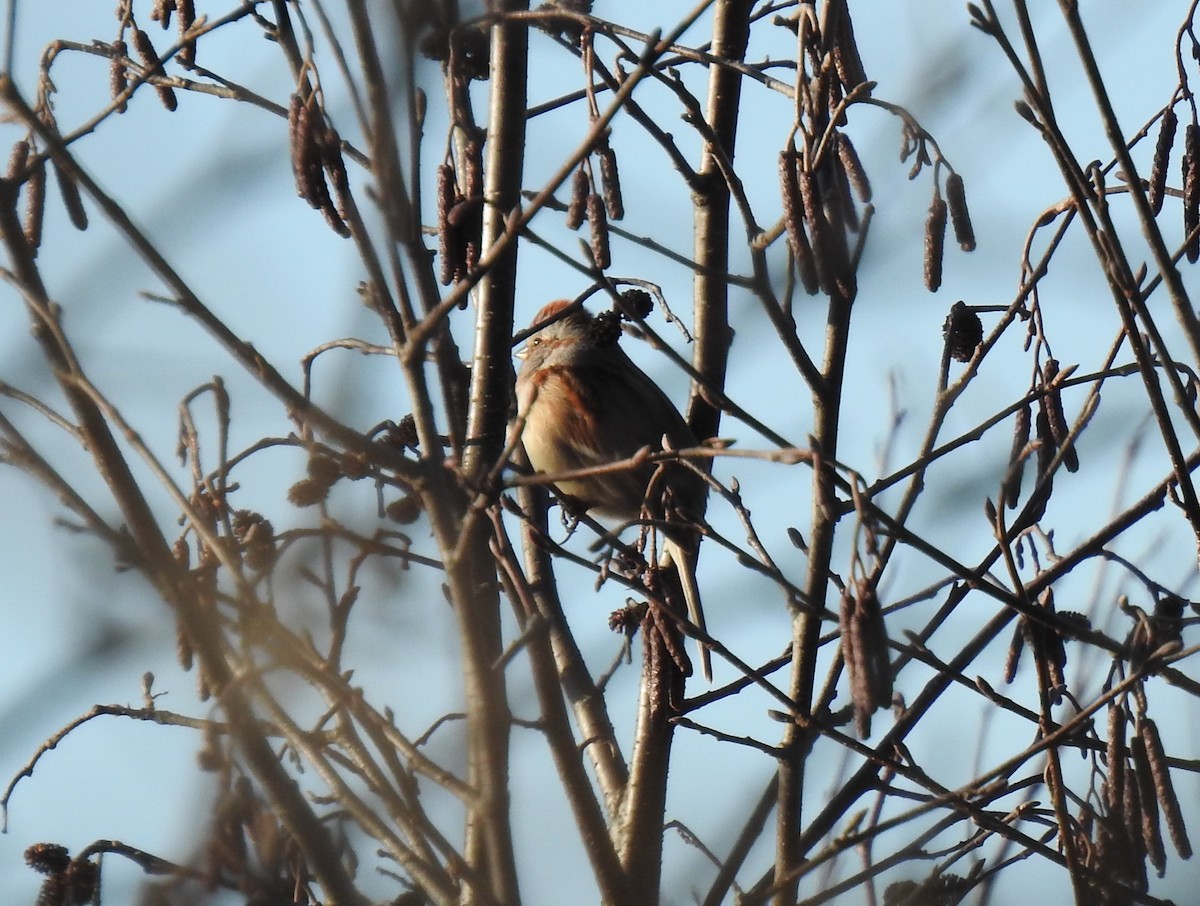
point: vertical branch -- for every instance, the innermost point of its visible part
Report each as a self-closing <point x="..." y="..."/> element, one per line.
<point x="470" y="568"/>
<point x="827" y="402"/>
<point x="646" y="798"/>
<point x="731" y="33"/>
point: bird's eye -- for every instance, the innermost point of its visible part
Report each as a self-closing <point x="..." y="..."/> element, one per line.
<point x="536" y="341"/>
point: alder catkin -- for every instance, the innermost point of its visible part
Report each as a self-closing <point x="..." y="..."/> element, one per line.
<point x="610" y="181"/>
<point x="935" y="240"/>
<point x="847" y="62"/>
<point x="1114" y="754"/>
<point x="1162" y="159"/>
<point x="71" y="198"/>
<point x="145" y="50"/>
<point x="118" y="78"/>
<point x="819" y="230"/>
<point x="581" y="188"/>
<point x="186" y="10"/>
<point x="1015" y="646"/>
<point x="1164" y="790"/>
<point x="1016" y="462"/>
<point x="960" y="216"/>
<point x="451" y="250"/>
<point x="854" y="168"/>
<point x="18" y="159"/>
<point x="598" y="222"/>
<point x="35" y="205"/>
<point x="793" y="219"/>
<point x="1191" y="190"/>
<point x="1151" y="831"/>
<point x="1056" y="417"/>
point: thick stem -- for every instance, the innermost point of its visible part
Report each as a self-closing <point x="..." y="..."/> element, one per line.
<point x="489" y="844"/>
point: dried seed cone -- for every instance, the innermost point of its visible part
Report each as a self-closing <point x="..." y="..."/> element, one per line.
<point x="601" y="253"/>
<point x="935" y="241"/>
<point x="1164" y="790"/>
<point x="1162" y="159"/>
<point x="960" y="216"/>
<point x="962" y="331"/>
<point x="1191" y="190"/>
<point x="793" y="219"/>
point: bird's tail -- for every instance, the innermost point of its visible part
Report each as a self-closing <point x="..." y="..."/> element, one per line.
<point x="684" y="556"/>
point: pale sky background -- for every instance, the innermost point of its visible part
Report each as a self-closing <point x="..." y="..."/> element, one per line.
<point x="78" y="635"/>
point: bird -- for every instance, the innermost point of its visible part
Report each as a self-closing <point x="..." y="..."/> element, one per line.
<point x="583" y="403"/>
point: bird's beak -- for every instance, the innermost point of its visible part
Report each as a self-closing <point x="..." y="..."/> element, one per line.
<point x="522" y="353"/>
